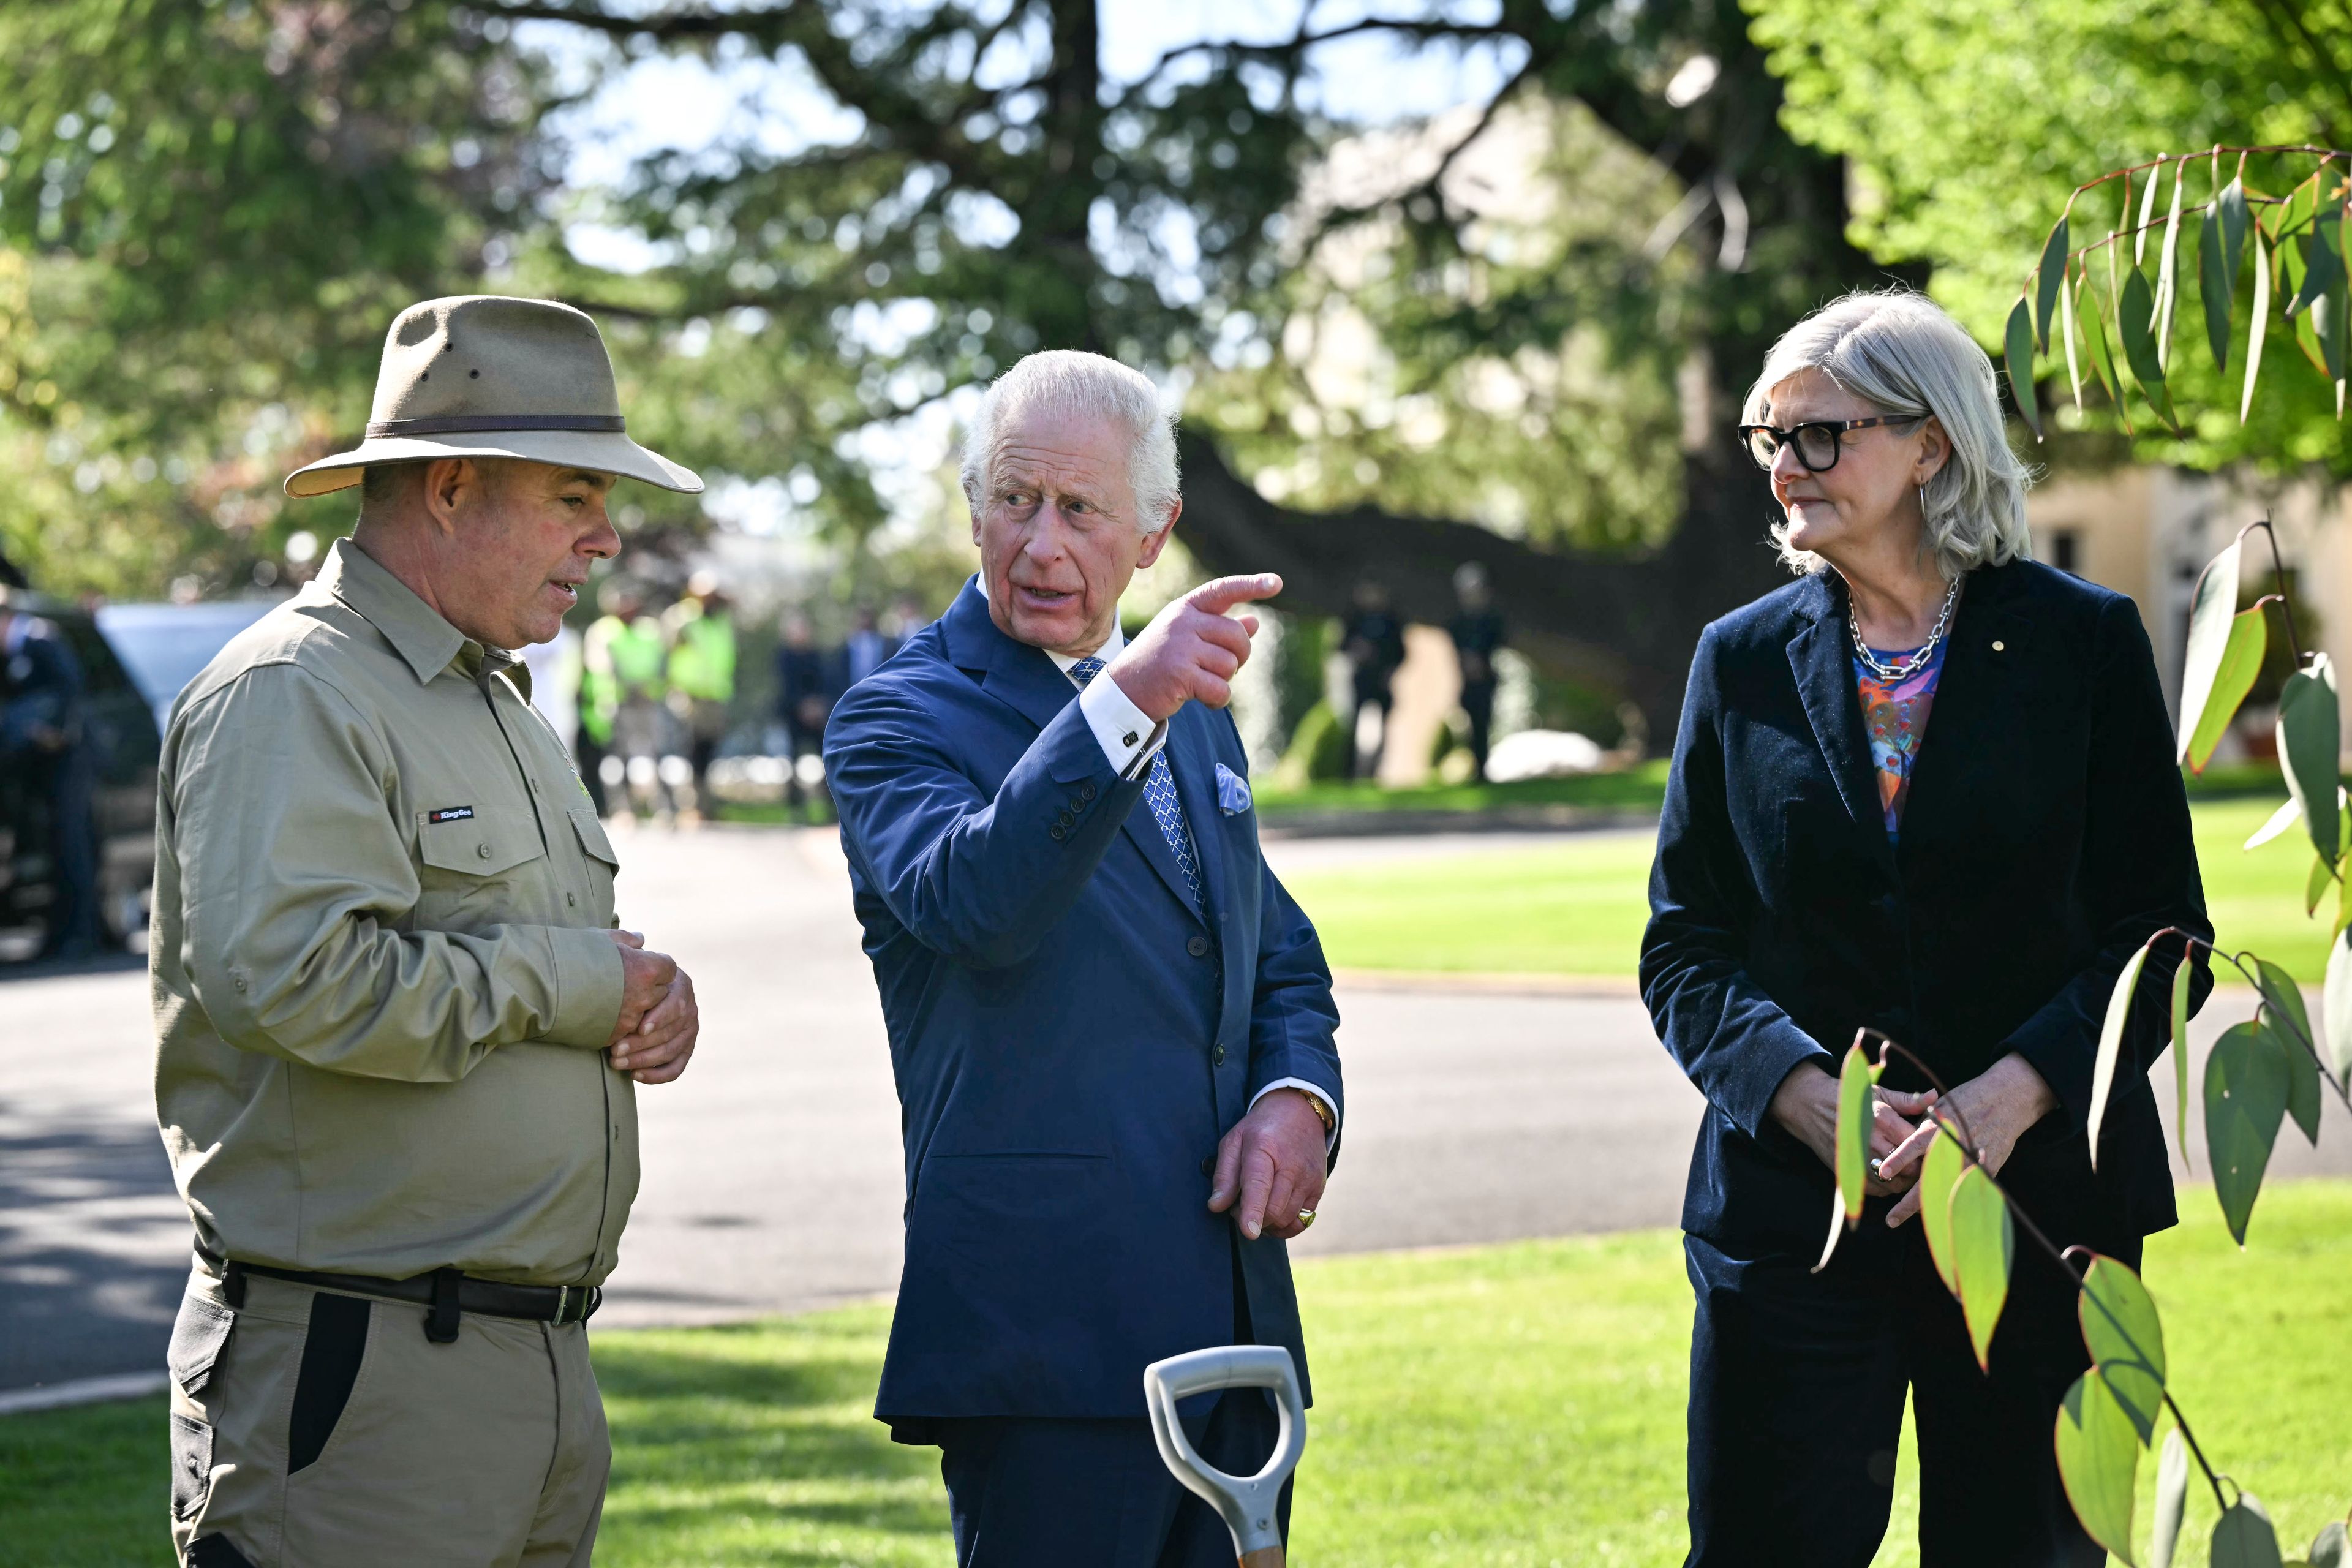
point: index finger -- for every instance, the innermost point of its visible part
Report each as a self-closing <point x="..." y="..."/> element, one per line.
<point x="1218" y="596"/>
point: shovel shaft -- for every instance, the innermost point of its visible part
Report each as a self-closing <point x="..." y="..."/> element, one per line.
<point x="1270" y="1557"/>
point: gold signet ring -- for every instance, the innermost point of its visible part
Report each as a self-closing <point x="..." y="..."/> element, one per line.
<point x="1305" y="1218"/>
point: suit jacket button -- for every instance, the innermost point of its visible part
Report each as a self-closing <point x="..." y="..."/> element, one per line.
<point x="1085" y="792"/>
<point x="1058" y="831"/>
<point x="1217" y="1057"/>
<point x="1208" y="1165"/>
<point x="1198" y="946"/>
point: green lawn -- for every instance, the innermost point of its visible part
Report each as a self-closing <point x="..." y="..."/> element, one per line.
<point x="1575" y="907"/>
<point x="1503" y="1406"/>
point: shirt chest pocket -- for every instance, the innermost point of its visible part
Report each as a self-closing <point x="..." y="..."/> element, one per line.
<point x="603" y="864"/>
<point x="482" y="869"/>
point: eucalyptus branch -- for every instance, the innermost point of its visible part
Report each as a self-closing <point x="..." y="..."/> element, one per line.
<point x="2235" y="960"/>
<point x="1958" y="1130"/>
<point x="2278" y="573"/>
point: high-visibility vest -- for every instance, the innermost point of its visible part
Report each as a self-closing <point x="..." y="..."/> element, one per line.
<point x="702" y="653"/>
<point x="621" y="658"/>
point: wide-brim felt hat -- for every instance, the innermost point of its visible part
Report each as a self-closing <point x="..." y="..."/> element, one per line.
<point x="487" y="375"/>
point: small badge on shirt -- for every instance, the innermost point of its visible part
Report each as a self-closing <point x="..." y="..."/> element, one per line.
<point x="451" y="814"/>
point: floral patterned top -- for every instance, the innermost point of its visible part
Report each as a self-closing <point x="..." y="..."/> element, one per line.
<point x="1895" y="715"/>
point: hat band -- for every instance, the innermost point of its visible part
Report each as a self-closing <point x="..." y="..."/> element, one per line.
<point x="483" y="424"/>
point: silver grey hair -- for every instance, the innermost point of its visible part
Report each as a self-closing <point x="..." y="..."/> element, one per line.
<point x="1070" y="383"/>
<point x="1898" y="352"/>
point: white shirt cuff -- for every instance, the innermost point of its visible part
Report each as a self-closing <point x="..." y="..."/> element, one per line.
<point x="1300" y="1084"/>
<point x="1127" y="734"/>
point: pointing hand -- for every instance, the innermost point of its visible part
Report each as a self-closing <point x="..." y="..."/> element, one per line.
<point x="1192" y="649"/>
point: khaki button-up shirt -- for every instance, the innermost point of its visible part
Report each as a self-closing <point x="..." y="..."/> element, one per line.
<point x="381" y="969"/>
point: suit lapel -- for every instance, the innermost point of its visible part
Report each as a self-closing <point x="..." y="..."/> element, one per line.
<point x="1825" y="672"/>
<point x="1972" y="693"/>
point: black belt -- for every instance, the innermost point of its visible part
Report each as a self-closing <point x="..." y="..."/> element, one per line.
<point x="445" y="1292"/>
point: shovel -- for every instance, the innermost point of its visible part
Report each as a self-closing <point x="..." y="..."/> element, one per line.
<point x="1247" y="1504"/>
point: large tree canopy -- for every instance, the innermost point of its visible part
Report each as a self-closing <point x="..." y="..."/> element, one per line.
<point x="191" y="289"/>
<point x="1968" y="123"/>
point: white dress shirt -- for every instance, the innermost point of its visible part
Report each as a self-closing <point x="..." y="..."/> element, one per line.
<point x="1130" y="738"/>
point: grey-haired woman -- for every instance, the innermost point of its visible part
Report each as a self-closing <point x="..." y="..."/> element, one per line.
<point x="1928" y="789"/>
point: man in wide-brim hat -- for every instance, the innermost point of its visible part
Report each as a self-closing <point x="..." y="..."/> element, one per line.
<point x="399" y="1027"/>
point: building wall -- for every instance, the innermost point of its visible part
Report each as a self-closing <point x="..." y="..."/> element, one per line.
<point x="2149" y="532"/>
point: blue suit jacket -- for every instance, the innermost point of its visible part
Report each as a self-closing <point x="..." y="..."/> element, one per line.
<point x="1070" y="1040"/>
<point x="2046" y="834"/>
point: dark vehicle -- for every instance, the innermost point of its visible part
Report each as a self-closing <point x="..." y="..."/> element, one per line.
<point x="117" y="731"/>
<point x="165" y="647"/>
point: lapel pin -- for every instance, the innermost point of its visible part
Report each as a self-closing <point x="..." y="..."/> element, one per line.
<point x="1998" y="646"/>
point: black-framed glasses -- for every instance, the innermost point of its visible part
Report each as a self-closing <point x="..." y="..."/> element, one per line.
<point x="1818" y="441"/>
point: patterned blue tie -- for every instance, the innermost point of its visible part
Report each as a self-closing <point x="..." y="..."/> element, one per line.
<point x="1160" y="794"/>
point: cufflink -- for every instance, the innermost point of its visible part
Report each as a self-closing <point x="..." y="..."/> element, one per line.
<point x="1128" y="738"/>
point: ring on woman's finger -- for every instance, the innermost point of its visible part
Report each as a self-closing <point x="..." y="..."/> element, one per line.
<point x="1874" y="1164"/>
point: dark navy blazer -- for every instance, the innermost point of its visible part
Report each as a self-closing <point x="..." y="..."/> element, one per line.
<point x="1070" y="1039"/>
<point x="2046" y="834"/>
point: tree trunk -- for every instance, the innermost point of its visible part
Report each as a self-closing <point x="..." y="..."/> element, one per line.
<point x="1626" y="622"/>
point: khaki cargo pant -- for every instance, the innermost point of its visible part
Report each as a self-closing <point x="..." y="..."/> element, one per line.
<point x="311" y="1429"/>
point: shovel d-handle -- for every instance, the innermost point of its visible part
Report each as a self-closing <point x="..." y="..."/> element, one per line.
<point x="1247" y="1504"/>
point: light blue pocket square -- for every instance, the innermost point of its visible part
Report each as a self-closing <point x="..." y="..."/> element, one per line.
<point x="1232" y="792"/>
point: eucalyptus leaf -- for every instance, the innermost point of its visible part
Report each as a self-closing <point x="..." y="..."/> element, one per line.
<point x="2315" y="885"/>
<point x="2103" y="361"/>
<point x="2111" y="1039"/>
<point x="2147" y="213"/>
<point x="2181" y="977"/>
<point x="2051" y="280"/>
<point x="2217" y="286"/>
<point x="1939" y="1173"/>
<point x="2134" y="312"/>
<point x="2232" y="204"/>
<point x="2125" y="1339"/>
<point x="2241" y="662"/>
<point x="2168" y="271"/>
<point x="2284" y="998"/>
<point x="2335" y="1001"/>
<point x="2301" y="1082"/>
<point x="2258" y="325"/>
<point x="2278" y="822"/>
<point x="1837" y="1228"/>
<point x="2016" y="356"/>
<point x="2310" y="741"/>
<point x="2066" y="329"/>
<point x="2245" y="1101"/>
<point x="2322" y="268"/>
<point x="2211" y="609"/>
<point x="2243" y="1537"/>
<point x="1983" y="1243"/>
<point x="2098" y="1460"/>
<point x="2171" y="1498"/>
<point x="1856" y="1110"/>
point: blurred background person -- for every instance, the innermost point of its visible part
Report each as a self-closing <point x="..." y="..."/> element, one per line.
<point x="555" y="681"/>
<point x="906" y="619"/>
<point x="41" y="737"/>
<point x="700" y="631"/>
<point x="1373" y="644"/>
<point x="1477" y="628"/>
<point x="629" y="664"/>
<point x="863" y="654"/>
<point x="804" y="699"/>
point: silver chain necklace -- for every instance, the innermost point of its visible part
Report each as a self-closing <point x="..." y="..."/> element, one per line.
<point x="1919" y="655"/>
